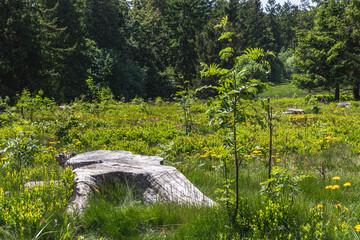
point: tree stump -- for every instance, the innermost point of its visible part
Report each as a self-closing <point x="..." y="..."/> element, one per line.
<point x="153" y="180"/>
<point x="293" y="111"/>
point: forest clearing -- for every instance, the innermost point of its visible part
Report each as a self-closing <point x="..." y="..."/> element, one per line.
<point x="314" y="181"/>
<point x="184" y="85"/>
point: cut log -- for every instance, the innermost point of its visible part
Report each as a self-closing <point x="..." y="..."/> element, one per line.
<point x="153" y="180"/>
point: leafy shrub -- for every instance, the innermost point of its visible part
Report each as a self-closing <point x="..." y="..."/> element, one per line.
<point x="28" y="104"/>
<point x="4" y="103"/>
<point x="20" y="151"/>
<point x="63" y="127"/>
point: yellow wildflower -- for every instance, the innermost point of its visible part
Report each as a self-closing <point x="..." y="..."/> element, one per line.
<point x="357" y="228"/>
<point x="346" y="208"/>
<point x="213" y="166"/>
<point x="336" y="178"/>
<point x="329" y="187"/>
<point x="278" y="160"/>
<point x="338" y="205"/>
<point x="347" y="184"/>
<point x="320" y="206"/>
<point x="336" y="187"/>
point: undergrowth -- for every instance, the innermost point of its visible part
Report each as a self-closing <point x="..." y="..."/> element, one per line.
<point x="323" y="147"/>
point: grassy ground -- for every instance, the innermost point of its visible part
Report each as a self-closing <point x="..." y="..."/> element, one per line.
<point x="314" y="186"/>
<point x="283" y="90"/>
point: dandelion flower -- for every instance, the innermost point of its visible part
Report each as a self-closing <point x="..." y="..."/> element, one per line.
<point x="357" y="228"/>
<point x="346" y="208"/>
<point x="335" y="187"/>
<point x="338" y="205"/>
<point x="329" y="187"/>
<point x="336" y="178"/>
<point x="278" y="160"/>
<point x="213" y="166"/>
<point x="319" y="206"/>
<point x="347" y="184"/>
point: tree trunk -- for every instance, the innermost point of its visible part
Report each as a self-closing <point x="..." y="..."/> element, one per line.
<point x="356" y="89"/>
<point x="337" y="93"/>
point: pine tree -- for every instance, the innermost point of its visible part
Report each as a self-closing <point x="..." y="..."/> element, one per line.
<point x="327" y="54"/>
<point x="185" y="19"/>
<point x="26" y="49"/>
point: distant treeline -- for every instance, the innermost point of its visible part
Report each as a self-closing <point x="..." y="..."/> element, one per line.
<point x="141" y="48"/>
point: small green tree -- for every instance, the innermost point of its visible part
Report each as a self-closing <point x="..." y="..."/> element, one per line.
<point x="236" y="88"/>
<point x="186" y="99"/>
<point x="99" y="94"/>
<point x="28" y="104"/>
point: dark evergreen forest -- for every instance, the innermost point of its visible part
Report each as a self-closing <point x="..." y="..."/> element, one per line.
<point x="146" y="48"/>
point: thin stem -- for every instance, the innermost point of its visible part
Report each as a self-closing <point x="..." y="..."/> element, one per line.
<point x="236" y="154"/>
<point x="227" y="187"/>
<point x="269" y="111"/>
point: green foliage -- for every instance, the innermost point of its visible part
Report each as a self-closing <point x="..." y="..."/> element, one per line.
<point x="20" y="151"/>
<point x="283" y="90"/>
<point x="326" y="98"/>
<point x="186" y="99"/>
<point x="63" y="128"/>
<point x="102" y="95"/>
<point x="236" y="86"/>
<point x="324" y="55"/>
<point x="4" y="103"/>
<point x="27" y="104"/>
<point x="55" y="46"/>
<point x="185" y="18"/>
<point x="303" y="146"/>
<point x="282" y="181"/>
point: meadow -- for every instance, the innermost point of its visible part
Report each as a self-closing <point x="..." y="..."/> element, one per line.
<point x="313" y="192"/>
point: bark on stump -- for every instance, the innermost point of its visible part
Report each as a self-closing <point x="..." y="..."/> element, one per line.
<point x="155" y="181"/>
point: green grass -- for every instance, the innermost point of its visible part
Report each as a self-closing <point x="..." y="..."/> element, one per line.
<point x="119" y="214"/>
<point x="283" y="90"/>
<point x="301" y="145"/>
